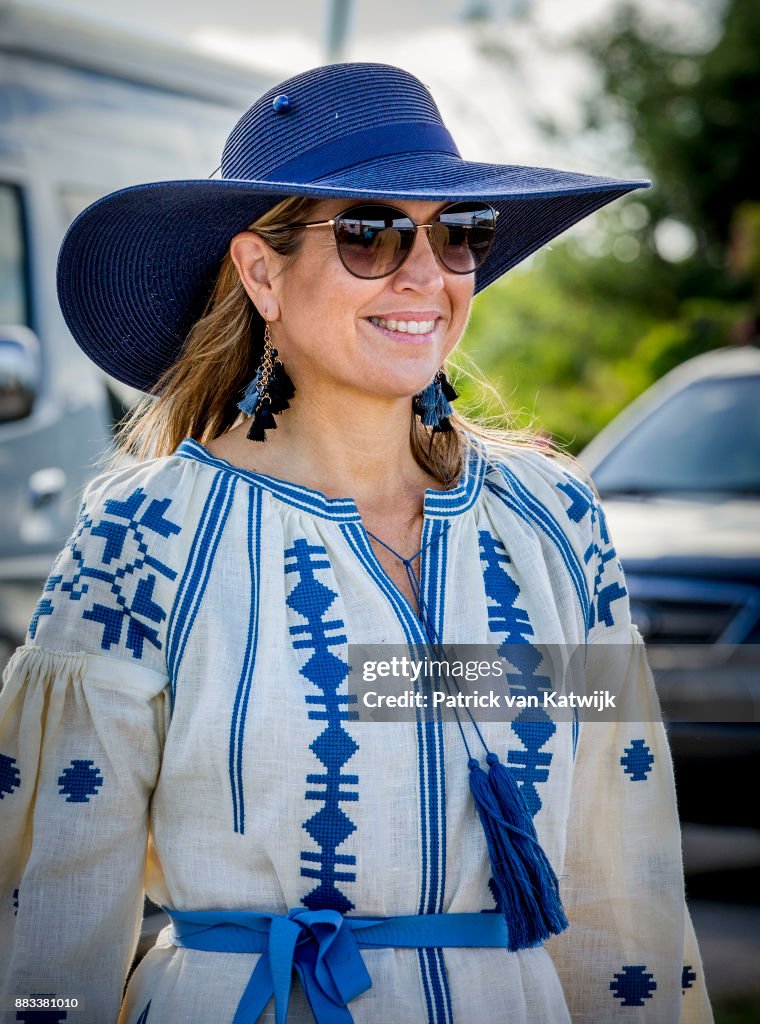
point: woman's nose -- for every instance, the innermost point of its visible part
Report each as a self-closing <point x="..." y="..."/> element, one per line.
<point x="421" y="265"/>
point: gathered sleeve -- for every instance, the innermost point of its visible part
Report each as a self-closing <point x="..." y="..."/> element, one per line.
<point x="630" y="949"/>
<point x="83" y="717"/>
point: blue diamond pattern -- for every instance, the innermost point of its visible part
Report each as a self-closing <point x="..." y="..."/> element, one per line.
<point x="637" y="760"/>
<point x="80" y="781"/>
<point x="633" y="985"/>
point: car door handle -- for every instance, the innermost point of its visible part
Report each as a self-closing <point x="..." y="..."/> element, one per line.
<point x="45" y="485"/>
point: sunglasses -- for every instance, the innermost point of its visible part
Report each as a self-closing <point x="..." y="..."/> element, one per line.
<point x="373" y="240"/>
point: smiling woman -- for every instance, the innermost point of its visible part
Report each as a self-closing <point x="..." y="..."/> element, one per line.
<point x="179" y="720"/>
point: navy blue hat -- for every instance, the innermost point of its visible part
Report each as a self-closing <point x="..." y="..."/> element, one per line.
<point x="137" y="267"/>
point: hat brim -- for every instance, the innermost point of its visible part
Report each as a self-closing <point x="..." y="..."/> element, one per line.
<point x="136" y="268"/>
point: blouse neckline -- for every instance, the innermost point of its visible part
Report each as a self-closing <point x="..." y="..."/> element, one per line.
<point x="437" y="504"/>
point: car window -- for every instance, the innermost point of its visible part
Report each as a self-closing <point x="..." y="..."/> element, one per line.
<point x="14" y="307"/>
<point x="704" y="438"/>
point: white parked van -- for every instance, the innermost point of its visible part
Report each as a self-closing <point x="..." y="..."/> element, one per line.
<point x="83" y="111"/>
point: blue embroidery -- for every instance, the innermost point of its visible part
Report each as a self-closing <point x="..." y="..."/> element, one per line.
<point x="533" y="726"/>
<point x="143" y="1018"/>
<point x="10" y="778"/>
<point x="330" y="826"/>
<point x="127" y="561"/>
<point x="582" y="503"/>
<point x="237" y="726"/>
<point x="688" y="977"/>
<point x="633" y="985"/>
<point x="197" y="571"/>
<point x="15" y="902"/>
<point x="637" y="760"/>
<point x="504" y="616"/>
<point x="430" y="747"/>
<point x="80" y="781"/>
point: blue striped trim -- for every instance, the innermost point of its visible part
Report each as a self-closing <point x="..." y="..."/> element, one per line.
<point x="240" y="709"/>
<point x="528" y="507"/>
<point x="437" y="505"/>
<point x="443" y="504"/>
<point x="430" y="740"/>
<point x="340" y="509"/>
<point x="575" y="728"/>
<point x="197" y="570"/>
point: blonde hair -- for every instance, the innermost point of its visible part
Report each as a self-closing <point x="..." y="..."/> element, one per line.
<point x="197" y="395"/>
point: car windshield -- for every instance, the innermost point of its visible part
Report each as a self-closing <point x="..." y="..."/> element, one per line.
<point x="704" y="438"/>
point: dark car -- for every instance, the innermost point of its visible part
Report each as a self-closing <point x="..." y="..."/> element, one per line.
<point x="679" y="476"/>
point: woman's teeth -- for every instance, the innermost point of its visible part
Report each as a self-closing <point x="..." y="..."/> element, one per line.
<point x="404" y="326"/>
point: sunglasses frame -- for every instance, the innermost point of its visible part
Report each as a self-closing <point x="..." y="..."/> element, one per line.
<point x="334" y="223"/>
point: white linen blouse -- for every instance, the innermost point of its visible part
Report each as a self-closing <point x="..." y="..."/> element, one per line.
<point x="172" y="725"/>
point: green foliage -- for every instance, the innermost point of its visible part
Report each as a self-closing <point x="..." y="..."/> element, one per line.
<point x="571" y="339"/>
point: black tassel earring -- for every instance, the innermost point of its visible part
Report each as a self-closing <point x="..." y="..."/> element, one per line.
<point x="268" y="393"/>
<point x="433" y="404"/>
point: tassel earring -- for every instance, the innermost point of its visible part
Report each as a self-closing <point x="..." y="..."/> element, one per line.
<point x="268" y="393"/>
<point x="433" y="404"/>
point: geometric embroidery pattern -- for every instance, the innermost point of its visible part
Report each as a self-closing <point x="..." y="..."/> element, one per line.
<point x="330" y="826"/>
<point x="637" y="760"/>
<point x="688" y="977"/>
<point x="125" y="572"/>
<point x="79" y="782"/>
<point x="633" y="985"/>
<point x="9" y="775"/>
<point x="533" y="726"/>
<point x="15" y="902"/>
<point x="582" y="503"/>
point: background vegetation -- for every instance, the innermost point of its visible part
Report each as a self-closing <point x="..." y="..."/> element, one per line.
<point x="664" y="274"/>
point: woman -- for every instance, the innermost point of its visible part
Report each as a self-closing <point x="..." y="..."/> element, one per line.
<point x="182" y="693"/>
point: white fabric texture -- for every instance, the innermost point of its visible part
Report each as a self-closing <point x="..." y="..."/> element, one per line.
<point x="173" y="724"/>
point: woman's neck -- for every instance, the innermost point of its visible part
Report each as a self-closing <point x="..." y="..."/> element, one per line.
<point x="360" y="451"/>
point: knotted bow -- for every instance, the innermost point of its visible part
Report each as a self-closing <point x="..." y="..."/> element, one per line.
<point x="323" y="946"/>
<point x="320" y="944"/>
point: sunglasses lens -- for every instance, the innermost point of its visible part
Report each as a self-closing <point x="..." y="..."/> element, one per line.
<point x="462" y="236"/>
<point x="373" y="240"/>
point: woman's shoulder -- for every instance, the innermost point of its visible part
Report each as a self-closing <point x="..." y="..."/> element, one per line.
<point x="111" y="585"/>
<point x="552" y="493"/>
<point x="544" y="475"/>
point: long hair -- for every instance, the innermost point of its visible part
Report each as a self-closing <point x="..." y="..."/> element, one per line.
<point x="197" y="395"/>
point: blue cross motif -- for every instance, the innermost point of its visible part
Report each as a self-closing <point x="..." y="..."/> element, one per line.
<point x="637" y="760"/>
<point x="80" y="781"/>
<point x="10" y="779"/>
<point x="114" y="579"/>
<point x="633" y="985"/>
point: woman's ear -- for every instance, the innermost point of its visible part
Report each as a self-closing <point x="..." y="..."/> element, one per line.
<point x="256" y="264"/>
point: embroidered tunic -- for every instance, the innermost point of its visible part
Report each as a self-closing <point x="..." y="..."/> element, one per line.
<point x="177" y="723"/>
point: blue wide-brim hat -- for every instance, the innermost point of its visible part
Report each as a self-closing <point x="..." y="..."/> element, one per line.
<point x="137" y="267"/>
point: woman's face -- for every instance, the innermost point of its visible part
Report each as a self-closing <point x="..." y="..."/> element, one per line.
<point x="323" y="316"/>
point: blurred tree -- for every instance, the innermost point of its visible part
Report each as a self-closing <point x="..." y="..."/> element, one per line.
<point x="662" y="275"/>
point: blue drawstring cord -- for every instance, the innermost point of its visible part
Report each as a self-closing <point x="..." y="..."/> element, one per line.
<point x="528" y="889"/>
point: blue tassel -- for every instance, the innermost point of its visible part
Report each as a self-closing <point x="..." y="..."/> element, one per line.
<point x="527" y="886"/>
<point x="250" y="400"/>
<point x="432" y="405"/>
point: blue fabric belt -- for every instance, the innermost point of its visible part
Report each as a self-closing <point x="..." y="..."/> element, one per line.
<point x="323" y="946"/>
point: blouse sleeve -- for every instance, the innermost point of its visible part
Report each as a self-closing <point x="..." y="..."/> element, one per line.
<point x="630" y="942"/>
<point x="83" y="714"/>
